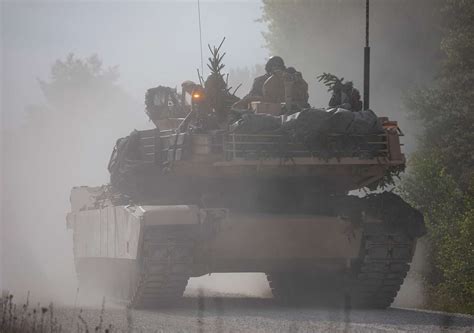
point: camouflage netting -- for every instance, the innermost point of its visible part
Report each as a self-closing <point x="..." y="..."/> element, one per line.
<point x="325" y="133"/>
<point x="313" y="127"/>
<point x="128" y="171"/>
<point x="162" y="102"/>
<point x="312" y="122"/>
<point x="252" y="123"/>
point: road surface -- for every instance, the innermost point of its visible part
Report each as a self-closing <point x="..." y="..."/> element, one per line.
<point x="246" y="314"/>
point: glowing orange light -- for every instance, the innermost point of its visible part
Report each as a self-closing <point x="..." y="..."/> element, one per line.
<point x="196" y="96"/>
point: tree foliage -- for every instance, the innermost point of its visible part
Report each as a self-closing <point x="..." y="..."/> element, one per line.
<point x="441" y="181"/>
<point x="80" y="93"/>
<point x="81" y="85"/>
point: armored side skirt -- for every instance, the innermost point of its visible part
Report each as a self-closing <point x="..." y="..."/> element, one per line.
<point x="221" y="241"/>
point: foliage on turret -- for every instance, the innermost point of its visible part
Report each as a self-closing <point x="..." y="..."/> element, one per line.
<point x="217" y="90"/>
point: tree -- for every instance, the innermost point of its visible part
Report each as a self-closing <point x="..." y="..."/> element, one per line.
<point x="77" y="87"/>
<point x="64" y="142"/>
<point x="441" y="180"/>
<point x="74" y="78"/>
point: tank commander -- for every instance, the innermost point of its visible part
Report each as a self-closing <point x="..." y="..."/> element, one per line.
<point x="256" y="92"/>
<point x="273" y="64"/>
<point x="270" y="87"/>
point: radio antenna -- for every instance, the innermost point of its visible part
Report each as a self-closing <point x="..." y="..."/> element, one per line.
<point x="366" y="59"/>
<point x="200" y="36"/>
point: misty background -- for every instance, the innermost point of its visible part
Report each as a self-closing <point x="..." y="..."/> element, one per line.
<point x="52" y="142"/>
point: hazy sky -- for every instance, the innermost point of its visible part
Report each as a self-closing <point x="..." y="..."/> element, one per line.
<point x="152" y="42"/>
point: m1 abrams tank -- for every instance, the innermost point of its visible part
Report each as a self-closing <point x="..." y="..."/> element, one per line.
<point x="240" y="191"/>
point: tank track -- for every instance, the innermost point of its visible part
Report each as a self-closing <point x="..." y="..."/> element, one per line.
<point x="163" y="273"/>
<point x="372" y="283"/>
<point x="385" y="263"/>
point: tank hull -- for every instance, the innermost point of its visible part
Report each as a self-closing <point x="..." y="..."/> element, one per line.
<point x="146" y="254"/>
<point x="226" y="243"/>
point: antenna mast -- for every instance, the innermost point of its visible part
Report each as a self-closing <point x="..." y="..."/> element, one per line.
<point x="366" y="59"/>
<point x="200" y="37"/>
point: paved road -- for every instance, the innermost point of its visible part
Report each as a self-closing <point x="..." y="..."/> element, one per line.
<point x="234" y="314"/>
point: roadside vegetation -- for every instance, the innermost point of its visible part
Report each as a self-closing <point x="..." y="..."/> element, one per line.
<point x="24" y="318"/>
<point x="440" y="181"/>
<point x="16" y="318"/>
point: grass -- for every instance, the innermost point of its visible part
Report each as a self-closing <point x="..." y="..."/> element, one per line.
<point x="38" y="319"/>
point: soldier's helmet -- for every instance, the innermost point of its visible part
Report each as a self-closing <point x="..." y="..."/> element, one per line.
<point x="273" y="63"/>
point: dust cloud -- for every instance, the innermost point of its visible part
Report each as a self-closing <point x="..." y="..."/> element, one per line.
<point x="412" y="292"/>
<point x="58" y="147"/>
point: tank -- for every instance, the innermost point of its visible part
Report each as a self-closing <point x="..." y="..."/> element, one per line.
<point x="259" y="190"/>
